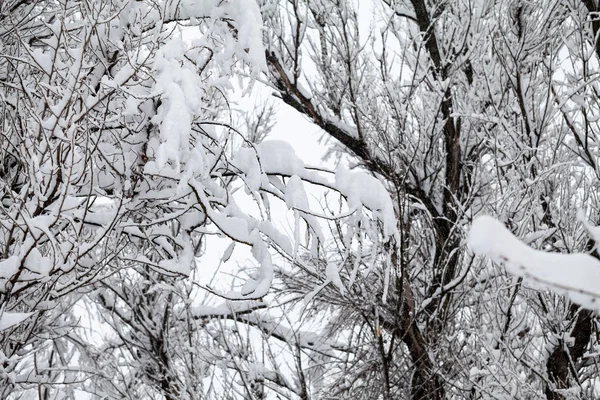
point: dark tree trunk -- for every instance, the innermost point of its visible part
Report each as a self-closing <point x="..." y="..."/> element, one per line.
<point x="561" y="360"/>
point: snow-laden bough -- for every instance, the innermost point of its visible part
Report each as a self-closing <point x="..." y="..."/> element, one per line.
<point x="575" y="275"/>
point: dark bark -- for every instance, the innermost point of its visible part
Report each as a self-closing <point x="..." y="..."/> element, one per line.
<point x="446" y="258"/>
<point x="560" y="364"/>
<point x="445" y="240"/>
<point x="426" y="383"/>
<point x="593" y="8"/>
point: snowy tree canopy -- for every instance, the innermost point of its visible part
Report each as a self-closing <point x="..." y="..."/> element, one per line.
<point x="120" y="157"/>
<point x="452" y="128"/>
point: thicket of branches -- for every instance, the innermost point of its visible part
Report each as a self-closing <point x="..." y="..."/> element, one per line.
<point x="121" y="154"/>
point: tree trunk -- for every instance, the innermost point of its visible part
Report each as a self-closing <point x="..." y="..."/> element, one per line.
<point x="561" y="360"/>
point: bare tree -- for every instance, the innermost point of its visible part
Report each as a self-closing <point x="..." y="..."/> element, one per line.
<point x="119" y="158"/>
<point x="461" y="109"/>
<point x="121" y="154"/>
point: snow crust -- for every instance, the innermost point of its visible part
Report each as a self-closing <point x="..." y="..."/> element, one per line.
<point x="268" y="157"/>
<point x="362" y="189"/>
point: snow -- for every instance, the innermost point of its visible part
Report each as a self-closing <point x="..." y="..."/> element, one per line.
<point x="281" y="240"/>
<point x="176" y="126"/>
<point x="243" y="229"/>
<point x="295" y="195"/>
<point x="227" y="308"/>
<point x="574" y="275"/>
<point x="593" y="231"/>
<point x="579" y="100"/>
<point x="245" y="160"/>
<point x="347" y="128"/>
<point x="43" y="60"/>
<point x="258" y="286"/>
<point x="8" y="268"/>
<point x="179" y="93"/>
<point x="304" y="339"/>
<point x="333" y="275"/>
<point x="248" y="311"/>
<point x="35" y="262"/>
<point x="278" y="157"/>
<point x="181" y="265"/>
<point x="274" y="157"/>
<point x="10" y="319"/>
<point x="228" y="251"/>
<point x="296" y="199"/>
<point x="234" y="227"/>
<point x="249" y="37"/>
<point x="362" y="189"/>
